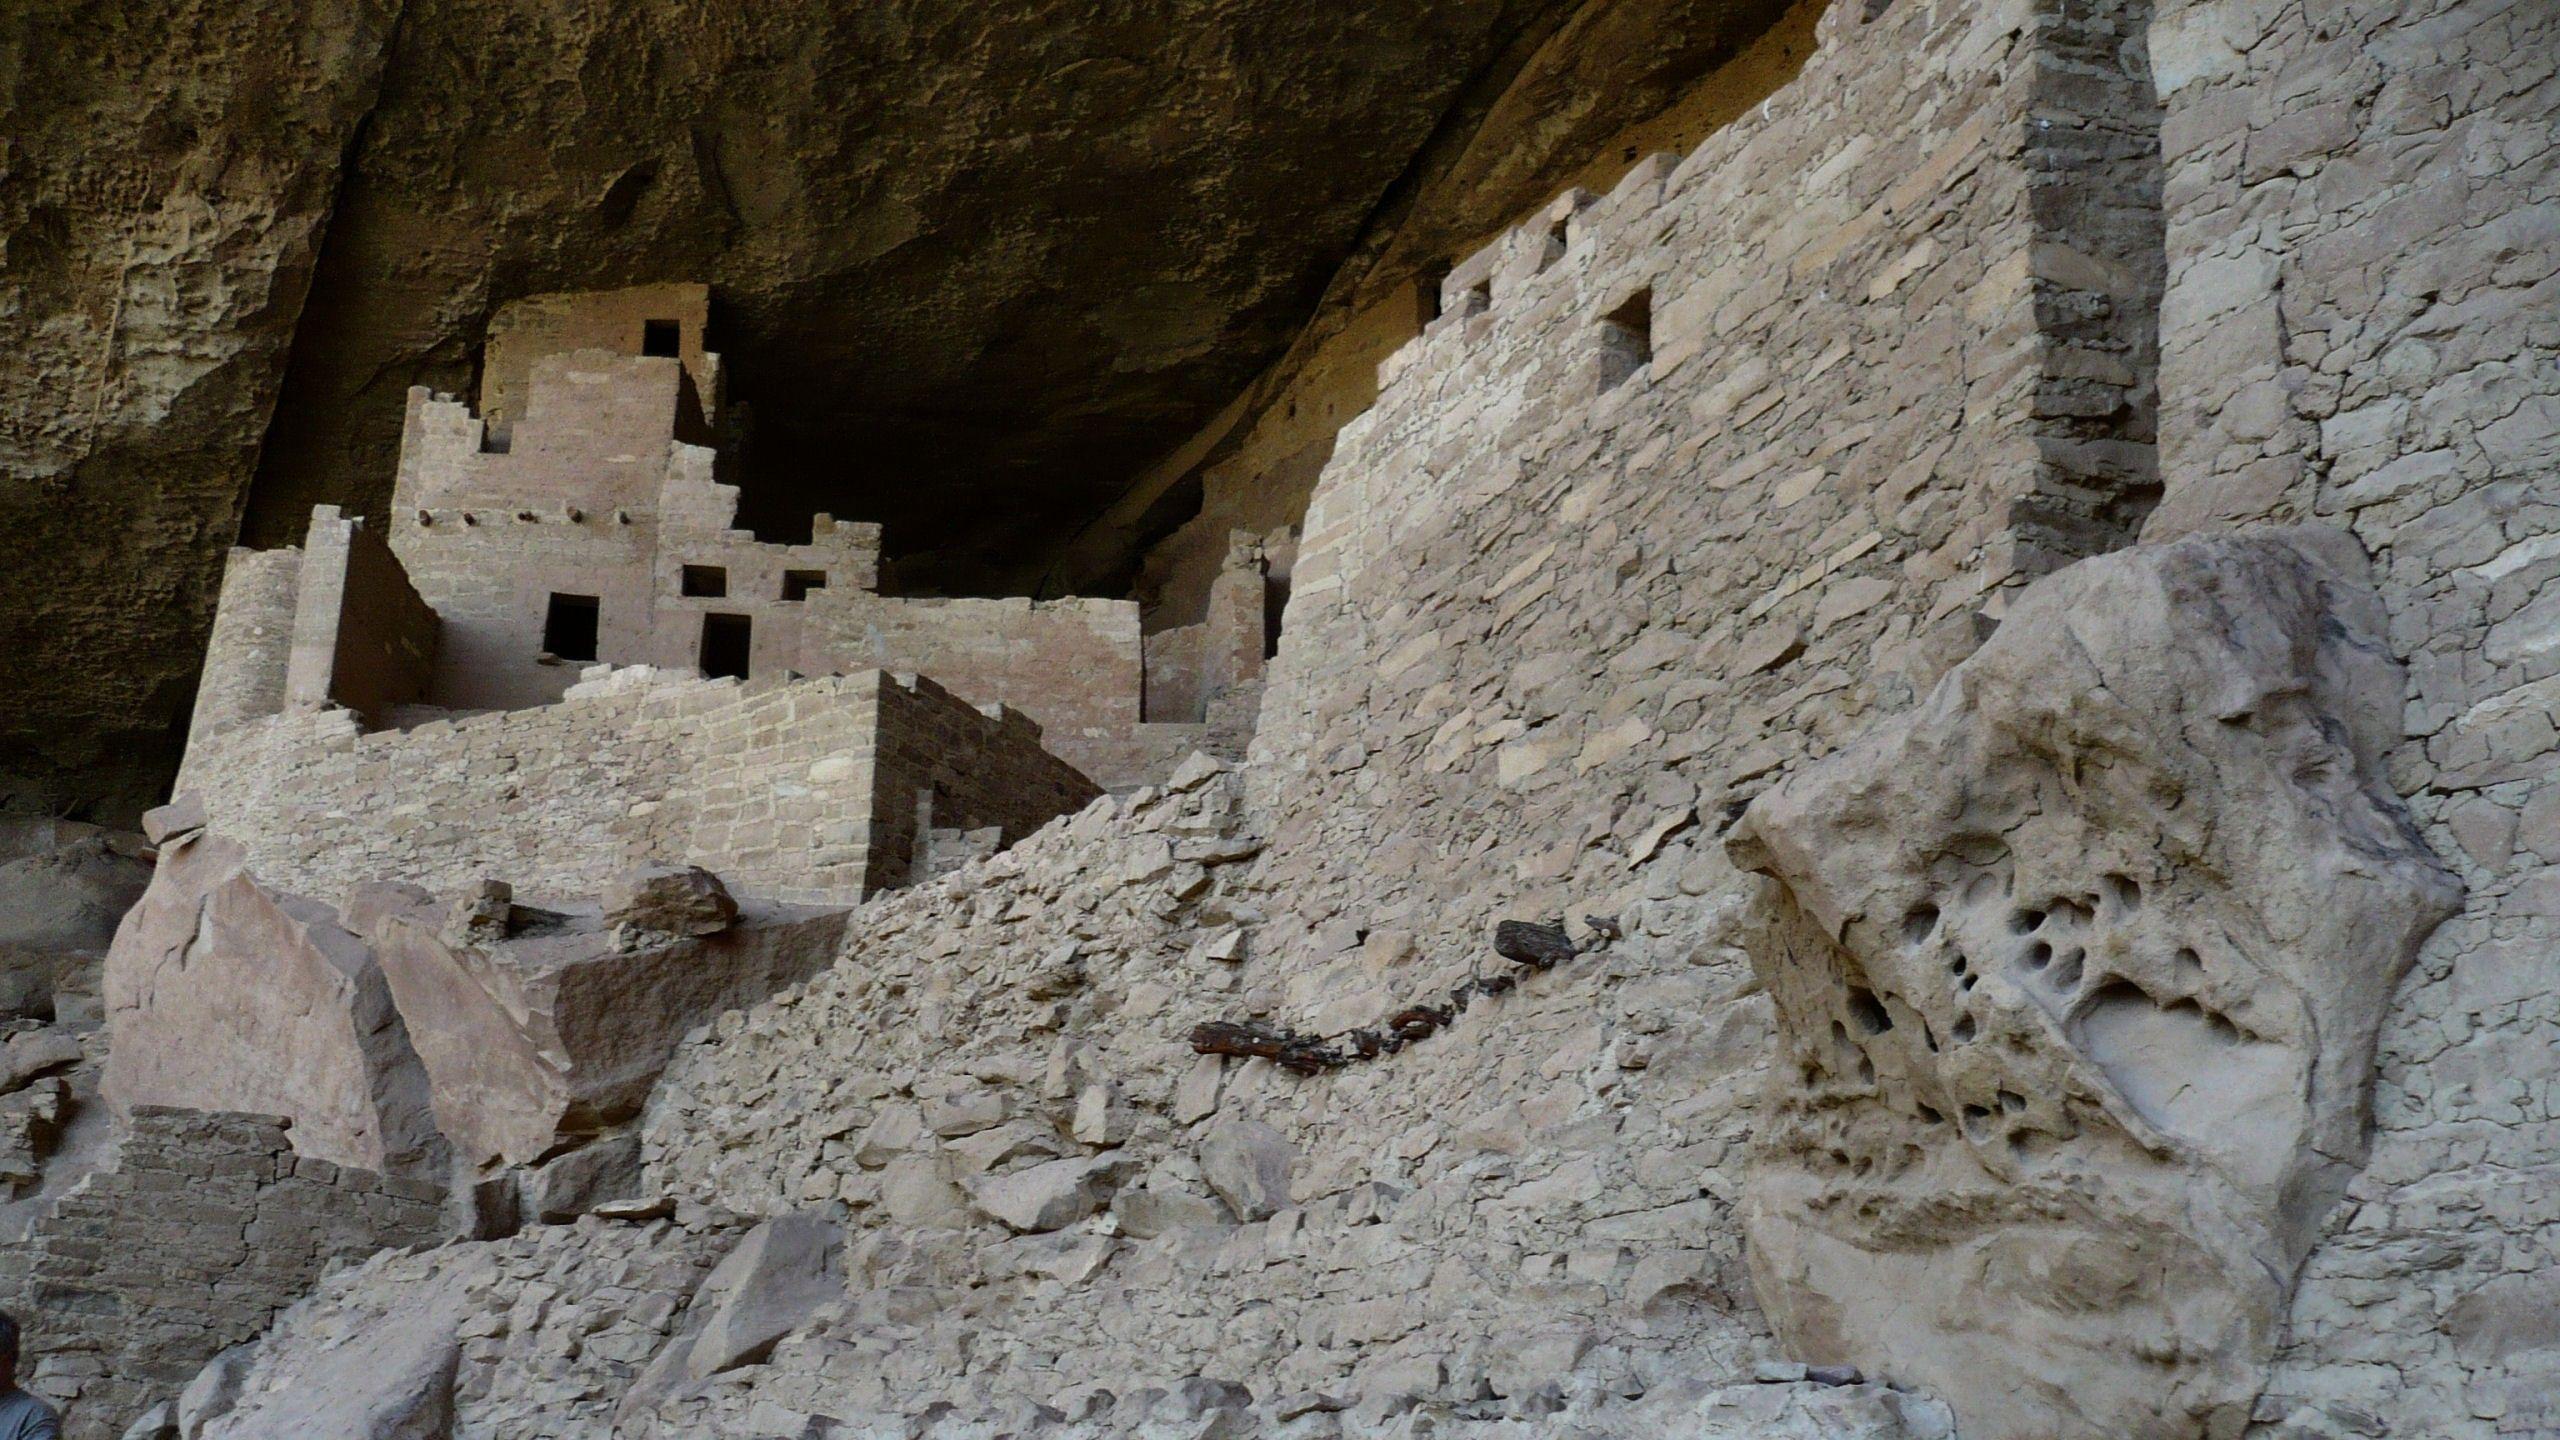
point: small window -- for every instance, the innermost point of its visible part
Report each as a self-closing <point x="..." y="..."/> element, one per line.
<point x="1626" y="339"/>
<point x="1275" y="602"/>
<point x="661" y="337"/>
<point x="726" y="641"/>
<point x="708" y="582"/>
<point x="796" y="584"/>
<point x="569" y="629"/>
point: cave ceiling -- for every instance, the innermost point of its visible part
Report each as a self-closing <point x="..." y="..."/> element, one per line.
<point x="974" y="265"/>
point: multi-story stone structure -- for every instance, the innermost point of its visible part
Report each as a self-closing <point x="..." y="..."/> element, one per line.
<point x="2003" y="602"/>
<point x="358" y="690"/>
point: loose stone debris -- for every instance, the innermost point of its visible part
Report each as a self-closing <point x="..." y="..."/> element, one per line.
<point x="2066" y="485"/>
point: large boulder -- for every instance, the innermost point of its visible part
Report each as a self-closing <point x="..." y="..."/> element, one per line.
<point x="372" y="1365"/>
<point x="544" y="1028"/>
<point x="2078" y="969"/>
<point x="222" y="994"/>
<point x="669" y="900"/>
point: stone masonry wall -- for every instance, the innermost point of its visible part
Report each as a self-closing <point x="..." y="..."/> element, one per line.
<point x="2364" y="278"/>
<point x="770" y="784"/>
<point x="250" y="650"/>
<point x="595" y="496"/>
<point x="1073" y="665"/>
<point x="362" y="636"/>
<point x="527" y="330"/>
<point x="938" y="764"/>
<point x="206" y="1227"/>
<point x="1509" y="671"/>
<point x="1689" y="482"/>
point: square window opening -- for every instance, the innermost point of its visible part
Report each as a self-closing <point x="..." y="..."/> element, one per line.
<point x="727" y="641"/>
<point x="707" y="582"/>
<point x="796" y="584"/>
<point x="663" y="338"/>
<point x="569" y="627"/>
<point x="1626" y="339"/>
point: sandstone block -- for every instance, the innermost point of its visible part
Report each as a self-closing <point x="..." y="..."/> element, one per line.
<point x="2079" y="967"/>
<point x="1049" y="1196"/>
<point x="669" y="900"/>
<point x="561" y="1028"/>
<point x="175" y="821"/>
<point x="586" y="1178"/>
<point x="1248" y="1164"/>
<point x="224" y="995"/>
<point x="1147" y="1213"/>
<point x="781" y="1273"/>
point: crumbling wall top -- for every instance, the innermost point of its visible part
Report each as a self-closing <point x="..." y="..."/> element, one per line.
<point x="640" y="320"/>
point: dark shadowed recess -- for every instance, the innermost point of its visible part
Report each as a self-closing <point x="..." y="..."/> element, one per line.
<point x="975" y="267"/>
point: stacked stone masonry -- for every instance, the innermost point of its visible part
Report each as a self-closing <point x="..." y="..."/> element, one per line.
<point x="1725" y="507"/>
<point x="205" y="1227"/>
<point x="581" y="515"/>
<point x="2364" y="275"/>
<point x="816" y="789"/>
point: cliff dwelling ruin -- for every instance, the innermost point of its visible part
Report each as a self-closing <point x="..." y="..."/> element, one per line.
<point x="1520" y="720"/>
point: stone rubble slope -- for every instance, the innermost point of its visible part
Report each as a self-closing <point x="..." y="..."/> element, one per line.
<point x="994" y="1085"/>
<point x="1038" y="1184"/>
<point x="1693" y="490"/>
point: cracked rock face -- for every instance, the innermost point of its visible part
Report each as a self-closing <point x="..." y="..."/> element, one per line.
<point x="2078" y="969"/>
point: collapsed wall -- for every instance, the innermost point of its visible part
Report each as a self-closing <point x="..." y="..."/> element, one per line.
<point x="204" y="1227"/>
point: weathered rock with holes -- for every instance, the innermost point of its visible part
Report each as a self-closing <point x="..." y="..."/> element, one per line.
<point x="2079" y="968"/>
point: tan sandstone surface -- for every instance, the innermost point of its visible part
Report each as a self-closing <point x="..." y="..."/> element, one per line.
<point x="1901" y="788"/>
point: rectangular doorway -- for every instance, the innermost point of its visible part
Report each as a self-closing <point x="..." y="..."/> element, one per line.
<point x="569" y="627"/>
<point x="726" y="642"/>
